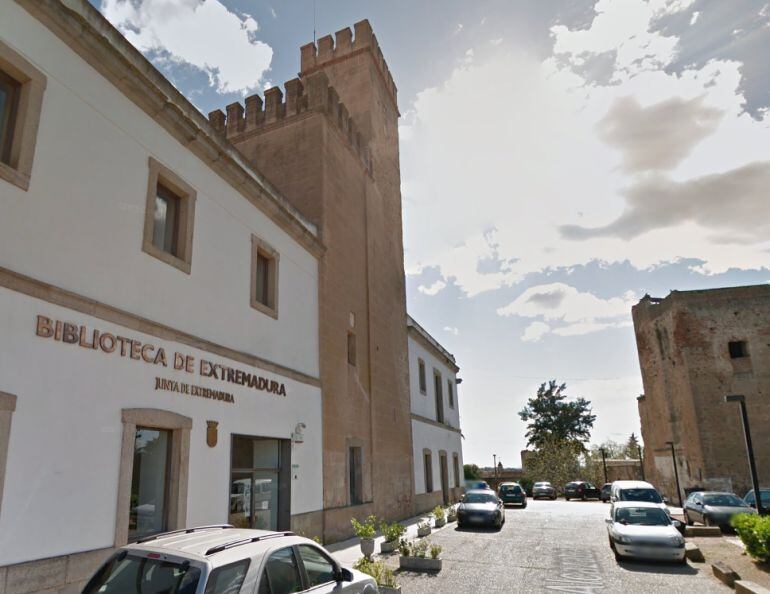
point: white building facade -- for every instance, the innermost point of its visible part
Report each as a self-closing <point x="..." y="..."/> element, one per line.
<point x="436" y="435"/>
<point x="159" y="341"/>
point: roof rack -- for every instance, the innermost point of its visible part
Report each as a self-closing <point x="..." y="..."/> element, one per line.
<point x="182" y="531"/>
<point x="245" y="541"/>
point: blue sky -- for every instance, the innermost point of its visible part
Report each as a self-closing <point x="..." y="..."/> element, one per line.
<point x="559" y="160"/>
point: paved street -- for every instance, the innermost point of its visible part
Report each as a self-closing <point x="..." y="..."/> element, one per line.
<point x="551" y="546"/>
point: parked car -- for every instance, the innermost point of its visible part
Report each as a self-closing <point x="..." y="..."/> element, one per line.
<point x="641" y="529"/>
<point x="580" y="490"/>
<point x="604" y="494"/>
<point x="714" y="509"/>
<point x="222" y="559"/>
<point x="481" y="507"/>
<point x="512" y="493"/>
<point x="635" y="491"/>
<point x="764" y="495"/>
<point x="472" y="485"/>
<point x="543" y="489"/>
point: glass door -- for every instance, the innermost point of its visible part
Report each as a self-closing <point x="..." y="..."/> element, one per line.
<point x="255" y="466"/>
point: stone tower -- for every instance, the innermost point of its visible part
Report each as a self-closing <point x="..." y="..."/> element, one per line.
<point x="331" y="148"/>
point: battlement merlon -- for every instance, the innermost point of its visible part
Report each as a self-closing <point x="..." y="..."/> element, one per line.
<point x="314" y="95"/>
<point x="315" y="55"/>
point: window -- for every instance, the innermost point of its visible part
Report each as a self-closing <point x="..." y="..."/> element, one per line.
<point x="318" y="567"/>
<point x="7" y="406"/>
<point x="456" y="468"/>
<point x="437" y="386"/>
<point x="128" y="573"/>
<point x="450" y="390"/>
<point x="149" y="483"/>
<point x="21" y="100"/>
<point x="281" y="575"/>
<point x="738" y="349"/>
<point x="154" y="466"/>
<point x="428" y="471"/>
<point x="351" y="349"/>
<point x="168" y="223"/>
<point x="9" y="106"/>
<point x="355" y="469"/>
<point x="227" y="579"/>
<point x="264" y="277"/>
<point x="421" y="375"/>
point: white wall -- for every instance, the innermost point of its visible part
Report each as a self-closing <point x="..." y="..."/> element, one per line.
<point x="80" y="225"/>
<point x="425" y="404"/>
<point x="435" y="439"/>
<point x="63" y="464"/>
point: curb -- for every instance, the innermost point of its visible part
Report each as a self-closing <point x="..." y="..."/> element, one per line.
<point x="725" y="574"/>
<point x="693" y="553"/>
<point x="702" y="531"/>
<point x="747" y="587"/>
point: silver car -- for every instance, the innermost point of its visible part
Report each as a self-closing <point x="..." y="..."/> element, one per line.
<point x="641" y="529"/>
<point x="714" y="509"/>
<point x="225" y="559"/>
<point x="543" y="489"/>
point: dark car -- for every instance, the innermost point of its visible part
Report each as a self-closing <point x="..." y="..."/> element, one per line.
<point x="481" y="507"/>
<point x="580" y="490"/>
<point x="713" y="509"/>
<point x="471" y="485"/>
<point x="764" y="495"/>
<point x="543" y="489"/>
<point x="604" y="494"/>
<point x="512" y="493"/>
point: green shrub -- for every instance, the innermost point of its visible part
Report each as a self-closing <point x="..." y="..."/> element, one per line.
<point x="438" y="513"/>
<point x="754" y="532"/>
<point x="392" y="531"/>
<point x="435" y="551"/>
<point x="420" y="549"/>
<point x="377" y="569"/>
<point x="365" y="529"/>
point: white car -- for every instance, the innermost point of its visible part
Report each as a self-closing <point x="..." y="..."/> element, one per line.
<point x="642" y="530"/>
<point x="635" y="491"/>
<point x="223" y="559"/>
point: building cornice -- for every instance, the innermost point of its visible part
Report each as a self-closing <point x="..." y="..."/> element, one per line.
<point x="428" y="421"/>
<point x="423" y="337"/>
<point x="83" y="28"/>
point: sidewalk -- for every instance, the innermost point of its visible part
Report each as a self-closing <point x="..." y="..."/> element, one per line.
<point x="349" y="551"/>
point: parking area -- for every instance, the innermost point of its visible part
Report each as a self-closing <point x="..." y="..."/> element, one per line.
<point x="551" y="546"/>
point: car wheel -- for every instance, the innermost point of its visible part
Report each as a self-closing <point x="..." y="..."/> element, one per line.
<point x="707" y="521"/>
<point x="687" y="519"/>
<point x="523" y="506"/>
<point x="618" y="556"/>
<point x="582" y="497"/>
<point x="566" y="498"/>
<point x="553" y="498"/>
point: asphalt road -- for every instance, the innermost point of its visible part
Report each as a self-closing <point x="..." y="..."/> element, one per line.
<point x="551" y="546"/>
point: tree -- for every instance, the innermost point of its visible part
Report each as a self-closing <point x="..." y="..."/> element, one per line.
<point x="552" y="418"/>
<point x="632" y="447"/>
<point x="555" y="462"/>
<point x="471" y="472"/>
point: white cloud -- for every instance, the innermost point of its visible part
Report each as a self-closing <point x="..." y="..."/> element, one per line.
<point x="458" y="28"/>
<point x="203" y="33"/>
<point x="432" y="289"/>
<point x="496" y="41"/>
<point x="535" y="331"/>
<point x="512" y="149"/>
<point x="694" y="18"/>
<point x="452" y="330"/>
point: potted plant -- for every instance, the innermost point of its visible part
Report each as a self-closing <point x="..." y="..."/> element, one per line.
<point x="366" y="531"/>
<point x="439" y="516"/>
<point x="391" y="533"/>
<point x="451" y="513"/>
<point x="386" y="580"/>
<point x="423" y="528"/>
<point x="419" y="556"/>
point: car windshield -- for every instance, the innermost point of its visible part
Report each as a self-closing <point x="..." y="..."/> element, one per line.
<point x="510" y="488"/>
<point x="764" y="494"/>
<point x="650" y="495"/>
<point x="542" y="484"/>
<point x="723" y="499"/>
<point x="479" y="498"/>
<point x="642" y="516"/>
<point x="127" y="574"/>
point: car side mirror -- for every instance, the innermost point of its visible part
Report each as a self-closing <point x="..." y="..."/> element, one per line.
<point x="343" y="575"/>
<point x="665" y="500"/>
<point x="677" y="524"/>
<point x="608" y="520"/>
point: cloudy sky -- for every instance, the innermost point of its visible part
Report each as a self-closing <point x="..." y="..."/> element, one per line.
<point x="560" y="159"/>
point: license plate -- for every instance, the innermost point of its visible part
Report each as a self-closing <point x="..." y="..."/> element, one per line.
<point x="476" y="519"/>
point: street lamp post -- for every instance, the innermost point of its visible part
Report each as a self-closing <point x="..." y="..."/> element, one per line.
<point x="676" y="472"/>
<point x="494" y="465"/>
<point x="741" y="400"/>
<point x="641" y="461"/>
<point x="604" y="463"/>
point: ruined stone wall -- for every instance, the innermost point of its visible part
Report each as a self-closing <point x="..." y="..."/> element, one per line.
<point x="687" y="371"/>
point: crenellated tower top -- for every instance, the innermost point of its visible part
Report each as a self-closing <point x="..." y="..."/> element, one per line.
<point x="330" y="50"/>
<point x="311" y="94"/>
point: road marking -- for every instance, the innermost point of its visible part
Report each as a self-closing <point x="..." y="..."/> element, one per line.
<point x="578" y="572"/>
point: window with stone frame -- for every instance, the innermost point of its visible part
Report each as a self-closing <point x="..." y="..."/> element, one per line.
<point x="421" y="376"/>
<point x="450" y="390"/>
<point x="21" y="100"/>
<point x="169" y="217"/>
<point x="351" y="348"/>
<point x="264" y="277"/>
<point x="428" y="468"/>
<point x="456" y="468"/>
<point x="355" y="475"/>
<point x="738" y="349"/>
